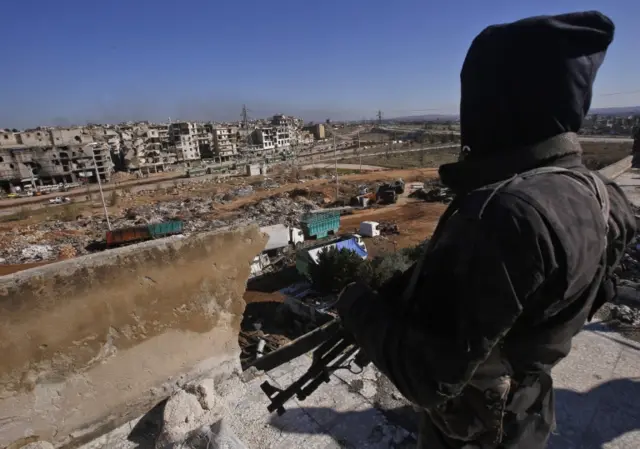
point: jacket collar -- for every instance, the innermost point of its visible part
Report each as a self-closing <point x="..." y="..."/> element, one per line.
<point x="562" y="150"/>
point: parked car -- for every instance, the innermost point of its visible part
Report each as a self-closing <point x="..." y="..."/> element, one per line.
<point x="60" y="200"/>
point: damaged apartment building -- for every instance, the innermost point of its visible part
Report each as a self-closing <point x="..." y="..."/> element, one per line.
<point x="38" y="158"/>
<point x="141" y="148"/>
<point x="193" y="141"/>
<point x="283" y="133"/>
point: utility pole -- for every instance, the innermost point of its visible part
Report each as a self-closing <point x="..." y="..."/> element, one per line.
<point x="359" y="153"/>
<point x="379" y="118"/>
<point x="335" y="156"/>
<point x="104" y="204"/>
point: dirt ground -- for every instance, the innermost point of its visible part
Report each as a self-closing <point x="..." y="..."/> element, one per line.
<point x="27" y="222"/>
<point x="416" y="221"/>
<point x="596" y="155"/>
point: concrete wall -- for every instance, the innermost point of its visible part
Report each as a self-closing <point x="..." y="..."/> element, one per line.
<point x="8" y="139"/>
<point x="90" y="343"/>
<point x="616" y="169"/>
<point x="34" y="138"/>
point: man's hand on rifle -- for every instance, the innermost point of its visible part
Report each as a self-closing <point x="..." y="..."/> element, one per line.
<point x="348" y="297"/>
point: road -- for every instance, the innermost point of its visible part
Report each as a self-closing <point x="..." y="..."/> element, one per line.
<point x="345" y="167"/>
<point x="351" y="153"/>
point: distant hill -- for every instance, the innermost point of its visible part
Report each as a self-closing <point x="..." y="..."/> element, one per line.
<point x="425" y="118"/>
<point x="627" y="110"/>
<point x="624" y="110"/>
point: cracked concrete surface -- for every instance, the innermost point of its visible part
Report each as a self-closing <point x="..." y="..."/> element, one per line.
<point x="597" y="391"/>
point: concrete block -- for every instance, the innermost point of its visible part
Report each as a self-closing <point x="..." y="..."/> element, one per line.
<point x="93" y="342"/>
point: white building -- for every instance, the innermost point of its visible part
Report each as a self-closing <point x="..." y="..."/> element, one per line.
<point x="265" y="138"/>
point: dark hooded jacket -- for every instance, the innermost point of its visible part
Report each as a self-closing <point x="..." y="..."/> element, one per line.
<point x="518" y="262"/>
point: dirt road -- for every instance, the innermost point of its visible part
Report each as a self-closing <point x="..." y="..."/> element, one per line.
<point x="416" y="221"/>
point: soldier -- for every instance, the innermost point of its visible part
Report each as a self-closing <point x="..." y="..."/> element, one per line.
<point x="522" y="257"/>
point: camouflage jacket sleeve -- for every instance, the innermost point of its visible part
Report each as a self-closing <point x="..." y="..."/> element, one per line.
<point x="471" y="289"/>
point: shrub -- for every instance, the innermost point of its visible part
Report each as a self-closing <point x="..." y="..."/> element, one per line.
<point x="336" y="269"/>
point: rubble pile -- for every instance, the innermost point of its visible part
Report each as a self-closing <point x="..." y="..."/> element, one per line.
<point x="626" y="315"/>
<point x="279" y="209"/>
<point x="388" y="228"/>
<point x="56" y="239"/>
<point x="624" y="312"/>
<point x="49" y="240"/>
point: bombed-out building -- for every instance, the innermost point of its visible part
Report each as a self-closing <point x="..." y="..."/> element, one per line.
<point x="44" y="157"/>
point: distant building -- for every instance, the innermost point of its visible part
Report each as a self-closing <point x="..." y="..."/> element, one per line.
<point x="317" y="130"/>
<point x="265" y="138"/>
<point x="283" y="120"/>
<point x="35" y="166"/>
<point x="183" y="138"/>
<point x="225" y="140"/>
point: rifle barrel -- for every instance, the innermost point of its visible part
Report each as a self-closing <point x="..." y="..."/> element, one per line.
<point x="297" y="347"/>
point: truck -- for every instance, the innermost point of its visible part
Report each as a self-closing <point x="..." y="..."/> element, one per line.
<point x="319" y="224"/>
<point x="134" y="234"/>
<point x="386" y="194"/>
<point x="310" y="255"/>
<point x="260" y="265"/>
<point x="370" y="228"/>
<point x="281" y="236"/>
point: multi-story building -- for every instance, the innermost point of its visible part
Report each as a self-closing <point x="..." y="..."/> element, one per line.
<point x="183" y="138"/>
<point x="225" y="140"/>
<point x="283" y="137"/>
<point x="265" y="138"/>
<point x="283" y="120"/>
<point x="317" y="130"/>
<point x="23" y="165"/>
<point x="204" y="138"/>
<point x="52" y="156"/>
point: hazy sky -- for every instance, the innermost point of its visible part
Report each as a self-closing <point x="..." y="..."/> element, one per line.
<point x="72" y="61"/>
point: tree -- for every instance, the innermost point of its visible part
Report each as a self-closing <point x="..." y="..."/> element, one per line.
<point x="336" y="269"/>
<point x="384" y="267"/>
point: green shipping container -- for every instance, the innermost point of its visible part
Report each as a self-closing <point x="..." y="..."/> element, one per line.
<point x="158" y="230"/>
<point x="320" y="224"/>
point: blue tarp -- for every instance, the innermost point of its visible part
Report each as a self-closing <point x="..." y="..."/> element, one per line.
<point x="352" y="246"/>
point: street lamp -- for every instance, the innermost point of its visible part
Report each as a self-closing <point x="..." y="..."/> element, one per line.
<point x="95" y="166"/>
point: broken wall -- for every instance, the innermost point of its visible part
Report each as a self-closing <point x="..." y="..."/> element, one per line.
<point x="90" y="343"/>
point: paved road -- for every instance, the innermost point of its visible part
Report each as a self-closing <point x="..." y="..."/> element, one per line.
<point x="345" y="167"/>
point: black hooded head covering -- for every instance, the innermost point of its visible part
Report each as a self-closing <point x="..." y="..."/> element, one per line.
<point x="527" y="81"/>
<point x="526" y="87"/>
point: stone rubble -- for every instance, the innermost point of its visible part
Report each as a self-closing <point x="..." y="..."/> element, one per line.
<point x="626" y="315"/>
<point x="56" y="239"/>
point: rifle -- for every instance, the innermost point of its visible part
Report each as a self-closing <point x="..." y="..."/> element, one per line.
<point x="334" y="349"/>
